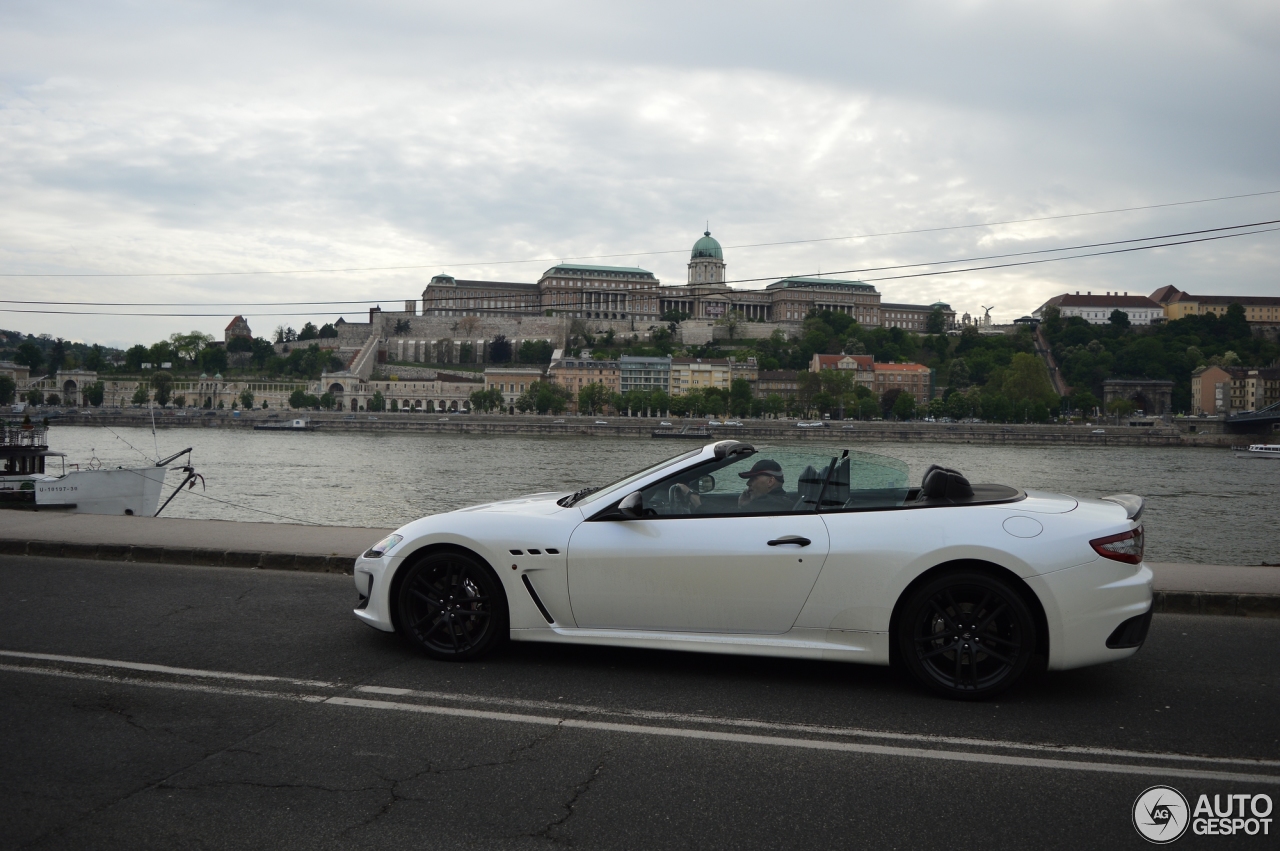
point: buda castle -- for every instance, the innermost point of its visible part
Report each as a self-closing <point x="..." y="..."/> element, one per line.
<point x="636" y="296"/>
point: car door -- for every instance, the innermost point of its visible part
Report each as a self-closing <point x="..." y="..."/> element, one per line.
<point x="721" y="568"/>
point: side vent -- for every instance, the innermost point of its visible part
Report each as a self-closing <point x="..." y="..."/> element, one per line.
<point x="552" y="552"/>
<point x="516" y="552"/>
<point x="536" y="600"/>
<point x="535" y="552"/>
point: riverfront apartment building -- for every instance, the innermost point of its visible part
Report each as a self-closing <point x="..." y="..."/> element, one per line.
<point x="631" y="293"/>
<point x="783" y="382"/>
<point x="644" y="374"/>
<point x="510" y="381"/>
<point x="1226" y="390"/>
<point x="699" y="374"/>
<point x="1258" y="310"/>
<point x="913" y="378"/>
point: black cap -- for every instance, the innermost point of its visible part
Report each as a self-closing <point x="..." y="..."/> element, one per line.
<point x="764" y="466"/>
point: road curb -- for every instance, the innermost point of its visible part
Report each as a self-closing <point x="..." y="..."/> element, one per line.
<point x="201" y="556"/>
<point x="1166" y="602"/>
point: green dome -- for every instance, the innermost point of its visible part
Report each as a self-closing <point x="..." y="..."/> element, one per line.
<point x="707" y="247"/>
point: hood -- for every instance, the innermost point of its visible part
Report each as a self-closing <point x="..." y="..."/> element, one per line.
<point x="536" y="503"/>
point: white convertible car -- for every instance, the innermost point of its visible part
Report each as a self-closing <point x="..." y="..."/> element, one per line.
<point x="780" y="552"/>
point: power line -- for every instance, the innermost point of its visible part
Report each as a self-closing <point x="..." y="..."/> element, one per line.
<point x="631" y="253"/>
<point x="633" y="289"/>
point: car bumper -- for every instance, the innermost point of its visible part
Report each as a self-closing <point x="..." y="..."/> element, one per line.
<point x="372" y="575"/>
<point x="1087" y="605"/>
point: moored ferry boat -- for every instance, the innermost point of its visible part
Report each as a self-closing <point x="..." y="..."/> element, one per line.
<point x="25" y="481"/>
<point x="1259" y="450"/>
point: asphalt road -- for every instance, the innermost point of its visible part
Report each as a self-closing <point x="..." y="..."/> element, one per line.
<point x="150" y="706"/>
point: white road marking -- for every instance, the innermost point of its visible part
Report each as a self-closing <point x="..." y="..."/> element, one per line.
<point x="783" y="726"/>
<point x="165" y="669"/>
<point x="809" y="744"/>
<point x="657" y="729"/>
<point x="105" y="678"/>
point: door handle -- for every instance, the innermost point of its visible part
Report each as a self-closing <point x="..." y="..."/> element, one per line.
<point x="790" y="539"/>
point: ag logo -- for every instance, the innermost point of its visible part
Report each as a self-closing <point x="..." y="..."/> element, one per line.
<point x="1160" y="814"/>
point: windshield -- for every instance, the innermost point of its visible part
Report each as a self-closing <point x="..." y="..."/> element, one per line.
<point x="621" y="484"/>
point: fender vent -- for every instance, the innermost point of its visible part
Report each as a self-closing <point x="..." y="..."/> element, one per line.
<point x="536" y="600"/>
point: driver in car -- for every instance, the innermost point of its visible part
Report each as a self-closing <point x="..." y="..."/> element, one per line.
<point x="765" y="491"/>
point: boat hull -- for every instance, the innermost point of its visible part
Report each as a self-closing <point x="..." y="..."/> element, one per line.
<point x="133" y="491"/>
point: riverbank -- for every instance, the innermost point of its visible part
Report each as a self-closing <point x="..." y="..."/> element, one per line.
<point x="644" y="427"/>
<point x="1205" y="589"/>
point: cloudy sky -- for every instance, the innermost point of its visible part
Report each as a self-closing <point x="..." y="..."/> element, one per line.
<point x="143" y="139"/>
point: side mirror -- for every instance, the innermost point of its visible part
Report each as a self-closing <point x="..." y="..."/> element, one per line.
<point x="705" y="484"/>
<point x="632" y="506"/>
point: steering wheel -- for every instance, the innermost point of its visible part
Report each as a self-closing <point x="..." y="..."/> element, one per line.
<point x="678" y="499"/>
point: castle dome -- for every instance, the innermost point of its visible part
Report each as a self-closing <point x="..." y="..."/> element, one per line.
<point x="707" y="246"/>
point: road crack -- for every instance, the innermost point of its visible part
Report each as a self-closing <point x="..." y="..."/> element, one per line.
<point x="570" y="807"/>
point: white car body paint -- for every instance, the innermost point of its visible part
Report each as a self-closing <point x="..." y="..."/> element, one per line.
<point x="713" y="584"/>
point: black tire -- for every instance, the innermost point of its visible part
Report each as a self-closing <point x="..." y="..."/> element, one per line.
<point x="966" y="635"/>
<point x="452" y="607"/>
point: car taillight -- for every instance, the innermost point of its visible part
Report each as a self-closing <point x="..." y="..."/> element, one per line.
<point x="1126" y="547"/>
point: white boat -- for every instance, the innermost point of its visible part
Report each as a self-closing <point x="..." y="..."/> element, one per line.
<point x="26" y="483"/>
<point x="1258" y="450"/>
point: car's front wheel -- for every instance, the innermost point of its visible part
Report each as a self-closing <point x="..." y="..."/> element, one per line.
<point x="966" y="635"/>
<point x="452" y="606"/>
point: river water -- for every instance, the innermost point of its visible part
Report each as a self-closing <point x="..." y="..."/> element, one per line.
<point x="1203" y="505"/>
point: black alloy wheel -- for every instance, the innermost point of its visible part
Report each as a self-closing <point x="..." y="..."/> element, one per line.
<point x="966" y="635"/>
<point x="453" y="607"/>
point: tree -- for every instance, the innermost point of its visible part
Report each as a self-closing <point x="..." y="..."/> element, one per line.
<point x="94" y="360"/>
<point x="936" y="323"/>
<point x="500" y="350"/>
<point x="92" y="394"/>
<point x="240" y="344"/>
<point x="958" y="374"/>
<point x="135" y="357"/>
<point x="300" y="398"/>
<point x="740" y="397"/>
<point x="246" y="398"/>
<point x="140" y="395"/>
<point x="8" y="388"/>
<point x="377" y="402"/>
<point x="465" y="351"/>
<point x="402" y="327"/>
<point x="29" y="355"/>
<point x="1121" y="407"/>
<point x="1051" y="320"/>
<point x="1119" y="319"/>
<point x="162" y="381"/>
<point x="1028" y="378"/>
<point x="54" y="399"/>
<point x="35" y="396"/>
<point x="937" y="408"/>
<point x="774" y="404"/>
<point x="888" y="399"/>
<point x="309" y="332"/>
<point x="904" y="407"/>
<point x="1084" y="401"/>
<point x="535" y="351"/>
<point x="327" y="330"/>
<point x="592" y="398"/>
<point x="543" y="397"/>
<point x="486" y="400"/>
<point x="188" y="346"/>
<point x="179" y="401"/>
<point x="57" y="357"/>
<point x="213" y="359"/>
<point x="326" y="401"/>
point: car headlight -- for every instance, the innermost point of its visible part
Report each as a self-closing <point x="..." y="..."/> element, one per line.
<point x="379" y="549"/>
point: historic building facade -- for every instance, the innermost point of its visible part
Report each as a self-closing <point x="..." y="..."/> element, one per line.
<point x="629" y="293"/>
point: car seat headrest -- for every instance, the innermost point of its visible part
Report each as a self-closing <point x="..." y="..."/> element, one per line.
<point x="944" y="483"/>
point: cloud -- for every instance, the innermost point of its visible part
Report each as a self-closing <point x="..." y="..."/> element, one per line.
<point x="169" y="137"/>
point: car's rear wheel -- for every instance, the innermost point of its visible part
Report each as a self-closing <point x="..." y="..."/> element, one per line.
<point x="452" y="606"/>
<point x="966" y="635"/>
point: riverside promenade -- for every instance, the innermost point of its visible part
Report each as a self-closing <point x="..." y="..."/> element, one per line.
<point x="1235" y="590"/>
<point x="1208" y="433"/>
